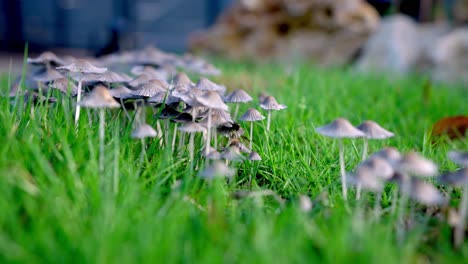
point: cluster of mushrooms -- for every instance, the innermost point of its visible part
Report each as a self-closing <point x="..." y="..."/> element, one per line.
<point x="408" y="171"/>
<point x="147" y="81"/>
<point x="150" y="81"/>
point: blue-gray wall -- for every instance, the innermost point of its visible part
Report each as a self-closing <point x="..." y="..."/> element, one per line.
<point x="87" y="23"/>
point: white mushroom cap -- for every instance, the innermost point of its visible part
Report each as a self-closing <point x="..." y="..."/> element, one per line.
<point x="65" y="86"/>
<point x="82" y="66"/>
<point x="191" y="127"/>
<point x="206" y="85"/>
<point x="217" y="169"/>
<point x="238" y="96"/>
<point x="143" y="131"/>
<point x="232" y="153"/>
<point x="254" y="156"/>
<point x="457" y="178"/>
<point x="425" y="193"/>
<point x="100" y="97"/>
<point x="153" y="73"/>
<point x="415" y="164"/>
<point x="379" y="166"/>
<point x="214" y="155"/>
<point x="47" y="76"/>
<point x="108" y="77"/>
<point x="182" y="80"/>
<point x="211" y="99"/>
<point x="305" y="203"/>
<point x="340" y="128"/>
<point x="47" y="57"/>
<point x="210" y="149"/>
<point x="374" y="130"/>
<point x="459" y="157"/>
<point x="140" y="80"/>
<point x="122" y="92"/>
<point x="251" y="115"/>
<point x="367" y="178"/>
<point x="392" y="155"/>
<point x="241" y="147"/>
<point x="270" y="103"/>
<point x="150" y="88"/>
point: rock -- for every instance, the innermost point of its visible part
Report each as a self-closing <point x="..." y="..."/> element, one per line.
<point x="325" y="31"/>
<point x="393" y="47"/>
<point x="450" y="56"/>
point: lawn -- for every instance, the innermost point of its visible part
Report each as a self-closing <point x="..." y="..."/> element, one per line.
<point x="57" y="207"/>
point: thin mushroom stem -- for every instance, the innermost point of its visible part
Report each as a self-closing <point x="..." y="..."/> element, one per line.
<point x="160" y="133"/>
<point x="181" y="142"/>
<point x="394" y="200"/>
<point x="166" y="132"/>
<point x="364" y="156"/>
<point x="191" y="147"/>
<point x="208" y="133"/>
<point x="342" y="170"/>
<point x="116" y="161"/>
<point x="401" y="211"/>
<point x="236" y="111"/>
<point x="215" y="138"/>
<point x="251" y="135"/>
<point x="174" y="136"/>
<point x="125" y="110"/>
<point x="143" y="152"/>
<point x="102" y="113"/>
<point x="78" y="99"/>
<point x="377" y="207"/>
<point x="365" y="149"/>
<point x="268" y="120"/>
<point x="463" y="210"/>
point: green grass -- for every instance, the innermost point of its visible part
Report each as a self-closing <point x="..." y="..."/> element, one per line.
<point x="56" y="207"/>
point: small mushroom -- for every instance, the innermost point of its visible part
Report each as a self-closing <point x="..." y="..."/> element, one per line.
<point x="100" y="98"/>
<point x="424" y="193"/>
<point x="206" y="85"/>
<point x="78" y="69"/>
<point x="372" y="131"/>
<point x="65" y="86"/>
<point x="251" y="115"/>
<point x="47" y="58"/>
<point x="459" y="157"/>
<point x="459" y="178"/>
<point x="270" y="104"/>
<point x="341" y="128"/>
<point x="215" y="170"/>
<point x="192" y="128"/>
<point x="211" y="100"/>
<point x="237" y="97"/>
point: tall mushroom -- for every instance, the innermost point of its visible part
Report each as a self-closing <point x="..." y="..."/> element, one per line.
<point x="251" y="115"/>
<point x="341" y="128"/>
<point x="459" y="178"/>
<point x="78" y="70"/>
<point x="211" y="100"/>
<point x="411" y="164"/>
<point x="237" y="97"/>
<point x="100" y="98"/>
<point x="270" y="104"/>
<point x="192" y="128"/>
<point x="372" y="131"/>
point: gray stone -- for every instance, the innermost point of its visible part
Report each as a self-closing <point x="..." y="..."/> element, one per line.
<point x="393" y="47"/>
<point x="450" y="57"/>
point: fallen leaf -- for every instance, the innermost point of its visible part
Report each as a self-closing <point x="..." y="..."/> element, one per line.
<point x="453" y="127"/>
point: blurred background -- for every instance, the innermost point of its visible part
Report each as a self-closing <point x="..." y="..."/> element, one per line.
<point x="425" y="36"/>
<point x="92" y="24"/>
